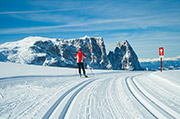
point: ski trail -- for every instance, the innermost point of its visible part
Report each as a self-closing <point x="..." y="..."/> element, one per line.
<point x="25" y="110"/>
<point x="155" y="101"/>
<point x="1" y="96"/>
<point x="116" y="114"/>
<point x="152" y="105"/>
<point x="53" y="107"/>
<point x="61" y="101"/>
<point x="67" y="105"/>
<point x="89" y="100"/>
<point x="132" y="91"/>
<point x="88" y="111"/>
<point x="83" y="101"/>
<point x="162" y="94"/>
<point x="107" y="108"/>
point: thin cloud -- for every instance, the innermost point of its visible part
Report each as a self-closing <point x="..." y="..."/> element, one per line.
<point x="143" y="22"/>
<point x="38" y="11"/>
<point x="72" y="27"/>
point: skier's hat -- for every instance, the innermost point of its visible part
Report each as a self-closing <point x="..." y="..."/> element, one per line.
<point x="80" y="50"/>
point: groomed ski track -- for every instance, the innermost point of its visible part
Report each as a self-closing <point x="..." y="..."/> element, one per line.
<point x="110" y="103"/>
<point x="108" y="95"/>
<point x="156" y="108"/>
<point x="67" y="98"/>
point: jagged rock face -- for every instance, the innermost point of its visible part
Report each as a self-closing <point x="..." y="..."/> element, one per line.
<point x="124" y="57"/>
<point x="59" y="52"/>
<point x="115" y="58"/>
<point x="54" y="52"/>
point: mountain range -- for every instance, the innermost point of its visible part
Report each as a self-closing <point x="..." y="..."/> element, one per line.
<point x="154" y="64"/>
<point x="60" y="52"/>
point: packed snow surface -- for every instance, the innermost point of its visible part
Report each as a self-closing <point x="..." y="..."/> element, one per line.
<point x="35" y="92"/>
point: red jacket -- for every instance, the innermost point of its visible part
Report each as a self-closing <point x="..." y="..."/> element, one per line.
<point x="80" y="56"/>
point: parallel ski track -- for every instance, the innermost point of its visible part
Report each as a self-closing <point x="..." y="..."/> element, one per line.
<point x="88" y="110"/>
<point x="59" y="100"/>
<point x="156" y="102"/>
<point x="111" y="101"/>
<point x="148" y="98"/>
<point x="137" y="98"/>
<point x="65" y="109"/>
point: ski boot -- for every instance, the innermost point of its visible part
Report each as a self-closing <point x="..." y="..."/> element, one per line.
<point x="85" y="76"/>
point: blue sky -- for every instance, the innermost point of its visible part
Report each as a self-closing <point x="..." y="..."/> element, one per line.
<point x="146" y="24"/>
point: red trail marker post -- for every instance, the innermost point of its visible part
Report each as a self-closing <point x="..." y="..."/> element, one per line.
<point x="161" y="55"/>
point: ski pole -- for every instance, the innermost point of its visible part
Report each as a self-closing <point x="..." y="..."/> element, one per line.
<point x="76" y="72"/>
<point x="91" y="70"/>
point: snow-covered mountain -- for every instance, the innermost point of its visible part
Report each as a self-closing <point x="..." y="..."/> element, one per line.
<point x="55" y="52"/>
<point x="59" y="52"/>
<point x="124" y="57"/>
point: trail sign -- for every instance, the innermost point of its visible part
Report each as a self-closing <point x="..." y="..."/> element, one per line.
<point x="161" y="55"/>
<point x="161" y="51"/>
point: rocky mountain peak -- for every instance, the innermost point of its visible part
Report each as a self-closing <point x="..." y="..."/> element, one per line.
<point x="60" y="52"/>
<point x="118" y="45"/>
<point x="56" y="52"/>
<point x="125" y="43"/>
<point x="86" y="37"/>
<point x="124" y="57"/>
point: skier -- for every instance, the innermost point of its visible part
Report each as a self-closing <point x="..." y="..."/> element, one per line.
<point x="80" y="63"/>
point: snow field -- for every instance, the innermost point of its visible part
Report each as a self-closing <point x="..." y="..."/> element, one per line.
<point x="28" y="91"/>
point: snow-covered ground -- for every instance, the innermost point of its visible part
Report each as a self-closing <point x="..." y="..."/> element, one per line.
<point x="35" y="92"/>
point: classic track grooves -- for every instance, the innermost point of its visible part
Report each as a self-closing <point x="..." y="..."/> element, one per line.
<point x="156" y="108"/>
<point x="78" y="88"/>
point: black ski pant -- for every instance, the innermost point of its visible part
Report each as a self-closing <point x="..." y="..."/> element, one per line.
<point x="81" y="65"/>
